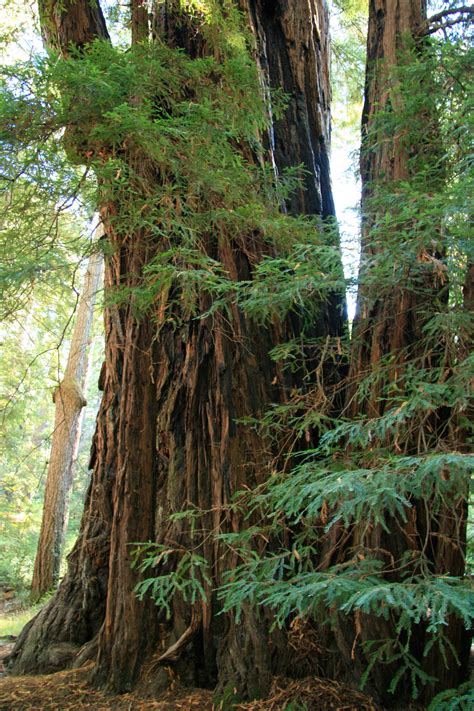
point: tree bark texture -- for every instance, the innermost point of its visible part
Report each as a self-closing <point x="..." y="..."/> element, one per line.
<point x="384" y="323"/>
<point x="69" y="399"/>
<point x="389" y="323"/>
<point x="169" y="433"/>
<point x="65" y="23"/>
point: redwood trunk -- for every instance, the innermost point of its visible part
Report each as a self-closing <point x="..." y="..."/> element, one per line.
<point x="168" y="433"/>
<point x="388" y="335"/>
<point x="69" y="399"/>
<point x="386" y="321"/>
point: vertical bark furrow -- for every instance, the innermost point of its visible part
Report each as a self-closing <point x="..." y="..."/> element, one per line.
<point x="293" y="50"/>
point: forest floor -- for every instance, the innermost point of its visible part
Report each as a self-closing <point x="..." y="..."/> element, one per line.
<point x="71" y="690"/>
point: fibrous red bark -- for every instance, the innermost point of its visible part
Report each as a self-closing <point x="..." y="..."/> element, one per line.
<point x="388" y="337"/>
<point x="169" y="431"/>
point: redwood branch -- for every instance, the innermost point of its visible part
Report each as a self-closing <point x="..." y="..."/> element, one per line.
<point x="173" y="652"/>
<point x="443" y="20"/>
<point x="469" y="9"/>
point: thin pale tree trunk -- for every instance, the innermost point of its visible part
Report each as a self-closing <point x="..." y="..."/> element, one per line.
<point x="70" y="401"/>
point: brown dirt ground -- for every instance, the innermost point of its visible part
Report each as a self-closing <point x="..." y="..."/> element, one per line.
<point x="70" y="690"/>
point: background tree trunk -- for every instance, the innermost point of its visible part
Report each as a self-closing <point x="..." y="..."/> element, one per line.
<point x="169" y="433"/>
<point x="69" y="400"/>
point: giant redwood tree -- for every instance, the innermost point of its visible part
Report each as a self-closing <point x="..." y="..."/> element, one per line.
<point x="185" y="366"/>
